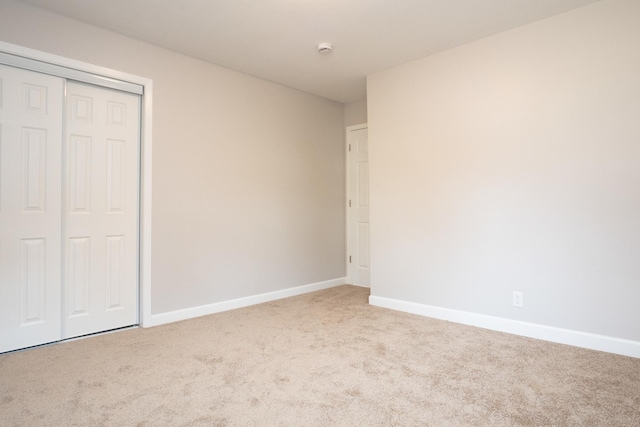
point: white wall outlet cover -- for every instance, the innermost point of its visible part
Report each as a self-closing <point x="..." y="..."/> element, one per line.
<point x="517" y="299"/>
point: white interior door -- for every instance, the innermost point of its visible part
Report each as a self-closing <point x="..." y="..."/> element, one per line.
<point x="101" y="209"/>
<point x="358" y="206"/>
<point x="30" y="208"/>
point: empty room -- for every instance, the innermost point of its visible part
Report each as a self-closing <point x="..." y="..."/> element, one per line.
<point x="320" y="212"/>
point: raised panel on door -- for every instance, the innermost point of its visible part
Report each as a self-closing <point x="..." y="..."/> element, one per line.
<point x="30" y="208"/>
<point x="358" y="164"/>
<point x="101" y="210"/>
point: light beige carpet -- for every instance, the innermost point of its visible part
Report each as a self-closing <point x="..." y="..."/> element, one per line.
<point x="320" y="359"/>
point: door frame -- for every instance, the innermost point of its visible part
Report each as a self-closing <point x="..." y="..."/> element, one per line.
<point x="348" y="212"/>
<point x="96" y="75"/>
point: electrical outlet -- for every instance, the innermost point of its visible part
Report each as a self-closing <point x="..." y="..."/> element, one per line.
<point x="517" y="299"/>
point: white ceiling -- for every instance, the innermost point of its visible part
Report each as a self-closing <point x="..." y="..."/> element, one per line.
<point x="276" y="39"/>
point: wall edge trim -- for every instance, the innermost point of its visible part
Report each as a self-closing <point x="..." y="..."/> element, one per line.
<point x="531" y="330"/>
<point x="217" y="307"/>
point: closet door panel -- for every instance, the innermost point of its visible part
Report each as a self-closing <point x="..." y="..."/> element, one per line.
<point x="101" y="209"/>
<point x="30" y="208"/>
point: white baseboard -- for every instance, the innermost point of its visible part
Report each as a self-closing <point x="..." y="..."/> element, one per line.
<point x="203" y="310"/>
<point x="359" y="285"/>
<point x="531" y="330"/>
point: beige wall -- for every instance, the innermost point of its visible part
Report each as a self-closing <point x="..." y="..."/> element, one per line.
<point x="513" y="163"/>
<point x="355" y="113"/>
<point x="248" y="175"/>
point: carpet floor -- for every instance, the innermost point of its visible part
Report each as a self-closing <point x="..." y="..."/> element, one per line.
<point x="320" y="359"/>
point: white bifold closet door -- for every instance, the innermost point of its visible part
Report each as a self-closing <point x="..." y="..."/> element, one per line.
<point x="31" y="120"/>
<point x="100" y="246"/>
<point x="69" y="173"/>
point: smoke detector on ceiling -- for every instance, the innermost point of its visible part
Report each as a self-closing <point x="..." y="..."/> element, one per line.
<point x="325" y="47"/>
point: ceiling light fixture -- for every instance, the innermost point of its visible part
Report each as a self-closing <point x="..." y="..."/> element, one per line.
<point x="325" y="47"/>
